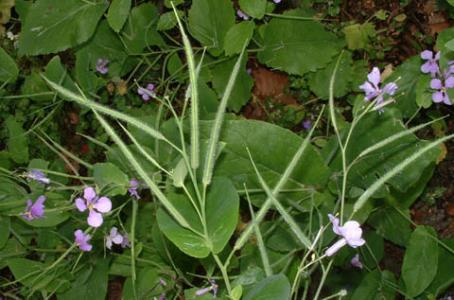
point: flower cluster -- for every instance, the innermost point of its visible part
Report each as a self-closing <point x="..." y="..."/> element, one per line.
<point x="116" y="238"/>
<point x="34" y="210"/>
<point x="81" y="240"/>
<point x="147" y="92"/>
<point x="101" y="65"/>
<point x="441" y="81"/>
<point x="38" y="176"/>
<point x="350" y="232"/>
<point x="373" y="91"/>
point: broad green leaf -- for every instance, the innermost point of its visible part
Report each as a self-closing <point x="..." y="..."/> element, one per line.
<point x="297" y="46"/>
<point x="222" y="200"/>
<point x="423" y="94"/>
<point x="375" y="249"/>
<point x="105" y="44"/>
<point x="237" y="36"/>
<point x="253" y="8"/>
<point x="53" y="26"/>
<point x="443" y="279"/>
<point x="147" y="285"/>
<point x="56" y="72"/>
<point x="12" y="249"/>
<point x="270" y="288"/>
<point x="209" y="21"/>
<point x="391" y="225"/>
<point x="8" y="68"/>
<point x="17" y="141"/>
<point x="357" y="35"/>
<point x="272" y="148"/>
<point x="319" y="81"/>
<point x="83" y="71"/>
<point x="26" y="270"/>
<point x="420" y="261"/>
<point x="374" y="128"/>
<point x="140" y="30"/>
<point x="34" y="84"/>
<point x="118" y="13"/>
<point x="109" y="176"/>
<point x="168" y="20"/>
<point x="4" y="230"/>
<point x="241" y="92"/>
<point x="91" y="285"/>
<point x="406" y="77"/>
<point x="376" y="285"/>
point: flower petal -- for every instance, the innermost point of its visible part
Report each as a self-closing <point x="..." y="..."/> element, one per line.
<point x="94" y="219"/>
<point x="438" y="97"/>
<point x="103" y="205"/>
<point x="427" y="54"/>
<point x="89" y="194"/>
<point x="80" y="204"/>
<point x="356" y="262"/>
<point x="374" y="76"/>
<point x="118" y="239"/>
<point x="449" y="82"/>
<point x="335" y="222"/>
<point x="436" y="84"/>
<point x="367" y="88"/>
<point x="446" y="99"/>
<point x="390" y="88"/>
<point x="335" y="247"/>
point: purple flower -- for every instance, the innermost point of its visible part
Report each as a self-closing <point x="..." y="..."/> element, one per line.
<point x="133" y="186"/>
<point x="213" y="287"/>
<point x="95" y="205"/>
<point x="101" y="65"/>
<point x="114" y="237"/>
<point x="38" y="176"/>
<point x="147" y="92"/>
<point x="351" y="234"/>
<point x="431" y="64"/>
<point x="441" y="94"/>
<point x="162" y="282"/>
<point x="371" y="87"/>
<point x="125" y="243"/>
<point x="356" y="262"/>
<point x="307" y="124"/>
<point x="242" y="15"/>
<point x="81" y="240"/>
<point x="34" y="210"/>
<point x="162" y="297"/>
<point x="277" y="1"/>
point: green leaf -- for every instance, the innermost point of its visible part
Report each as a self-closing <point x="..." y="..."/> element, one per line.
<point x="406" y="76"/>
<point x="297" y="46"/>
<point x="8" y="68"/>
<point x="271" y="288"/>
<point x="374" y="128"/>
<point x="147" y="285"/>
<point x="222" y="200"/>
<point x="272" y="148"/>
<point x="56" y="72"/>
<point x="391" y="225"/>
<point x="319" y="81"/>
<point x="17" y="141"/>
<point x="357" y="35"/>
<point x="89" y="283"/>
<point x="241" y="92"/>
<point x="376" y="285"/>
<point x="110" y="176"/>
<point x="105" y="44"/>
<point x="420" y="261"/>
<point x="4" y="230"/>
<point x="118" y="14"/>
<point x="443" y="279"/>
<point x="237" y="36"/>
<point x="209" y="21"/>
<point x="253" y="8"/>
<point x="53" y="26"/>
<point x="140" y="30"/>
<point x="168" y="20"/>
<point x="423" y="94"/>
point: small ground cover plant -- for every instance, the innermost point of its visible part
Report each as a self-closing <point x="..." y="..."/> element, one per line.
<point x="206" y="149"/>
